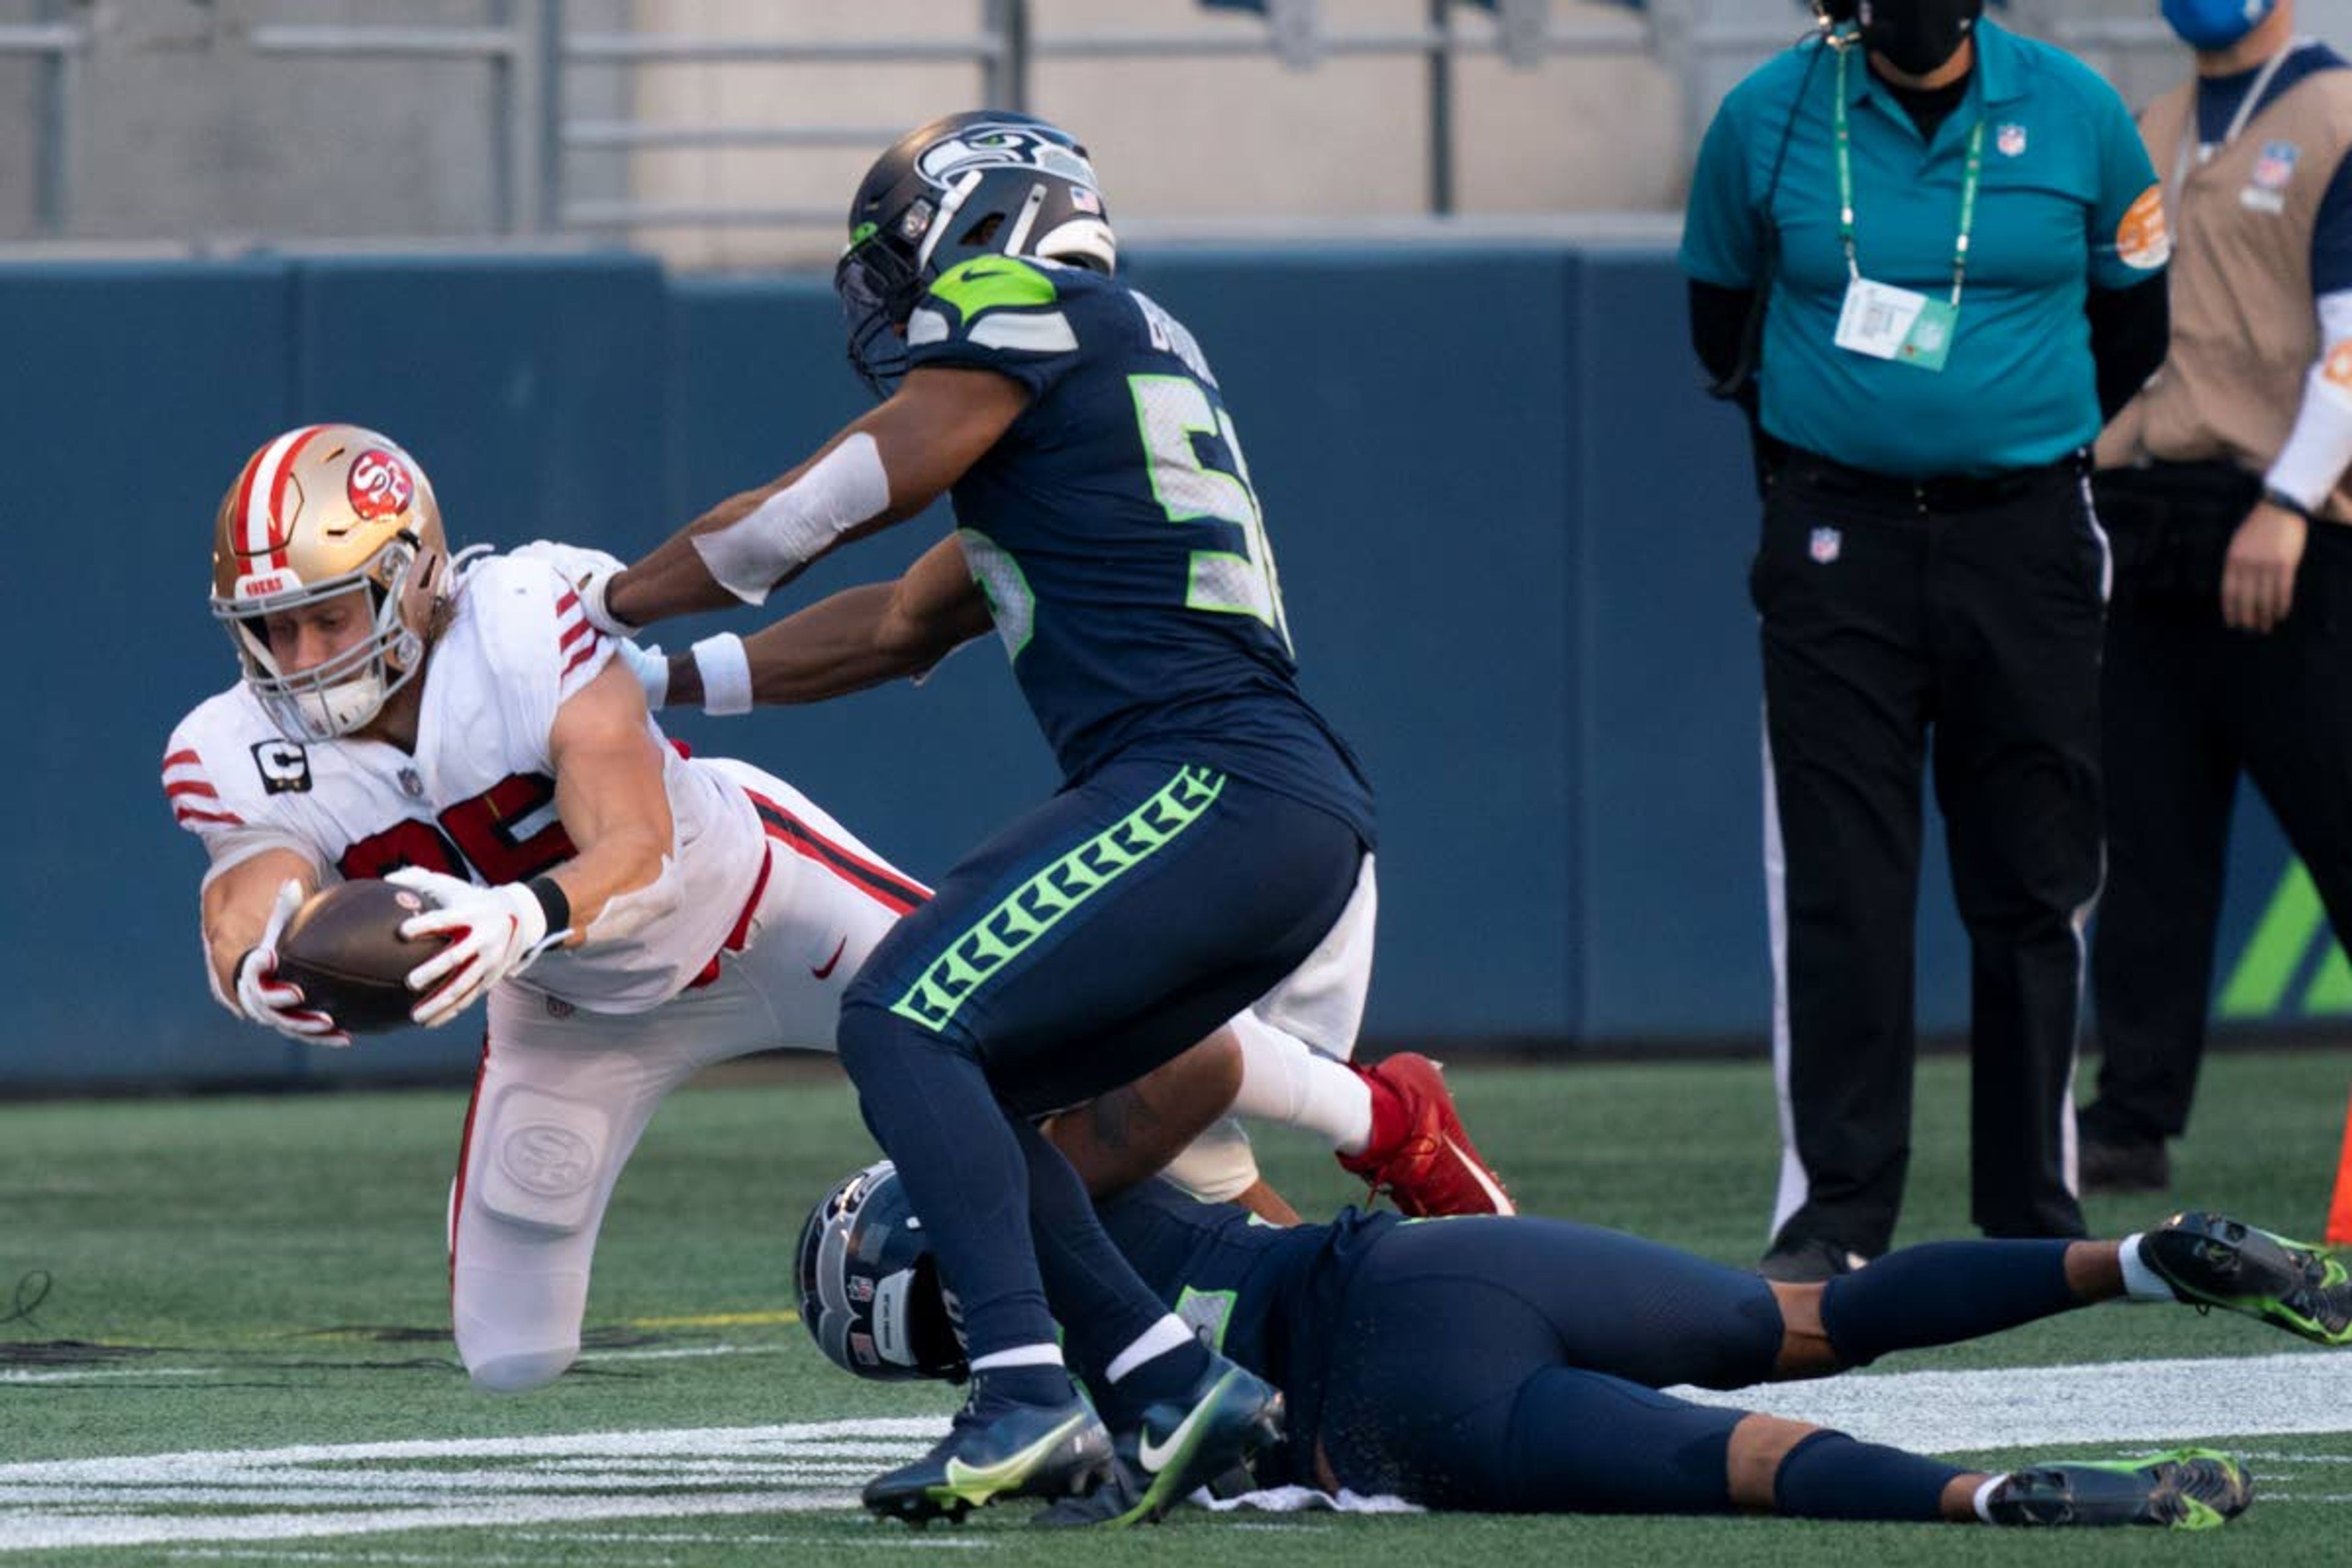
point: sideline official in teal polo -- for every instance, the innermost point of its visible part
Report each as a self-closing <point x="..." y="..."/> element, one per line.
<point x="1925" y="256"/>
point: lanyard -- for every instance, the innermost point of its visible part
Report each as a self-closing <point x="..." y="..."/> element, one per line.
<point x="2188" y="155"/>
<point x="1969" y="183"/>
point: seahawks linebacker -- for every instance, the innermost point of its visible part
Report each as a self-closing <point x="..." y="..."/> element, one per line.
<point x="1211" y="831"/>
<point x="1517" y="1365"/>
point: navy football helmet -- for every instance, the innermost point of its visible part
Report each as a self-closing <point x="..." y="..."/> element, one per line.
<point x="869" y="1287"/>
<point x="983" y="183"/>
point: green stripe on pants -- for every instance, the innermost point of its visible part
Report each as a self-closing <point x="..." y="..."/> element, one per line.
<point x="1039" y="904"/>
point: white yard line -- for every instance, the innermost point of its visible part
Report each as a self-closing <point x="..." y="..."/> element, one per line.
<point x="93" y="1374"/>
<point x="309" y="1491"/>
<point x="890" y="1539"/>
<point x="681" y="1353"/>
<point x="49" y="1533"/>
<point x="2027" y="1407"/>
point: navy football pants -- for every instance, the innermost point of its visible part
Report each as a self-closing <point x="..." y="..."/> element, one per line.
<point x="1086" y="944"/>
<point x="1512" y="1365"/>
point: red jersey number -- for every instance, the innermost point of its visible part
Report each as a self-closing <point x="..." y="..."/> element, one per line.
<point x="473" y="837"/>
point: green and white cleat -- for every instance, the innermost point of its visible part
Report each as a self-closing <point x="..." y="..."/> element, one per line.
<point x="2211" y="1260"/>
<point x="1021" y="1450"/>
<point x="2188" y="1489"/>
<point x="1179" y="1445"/>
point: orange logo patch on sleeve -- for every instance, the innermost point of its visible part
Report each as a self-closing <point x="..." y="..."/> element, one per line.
<point x="2142" y="239"/>
<point x="2338" y="366"/>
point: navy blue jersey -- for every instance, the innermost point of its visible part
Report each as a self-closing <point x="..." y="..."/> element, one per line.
<point x="1267" y="1296"/>
<point x="1116" y="532"/>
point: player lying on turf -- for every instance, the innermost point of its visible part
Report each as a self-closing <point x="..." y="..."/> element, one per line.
<point x="1515" y="1365"/>
<point x="470" y="735"/>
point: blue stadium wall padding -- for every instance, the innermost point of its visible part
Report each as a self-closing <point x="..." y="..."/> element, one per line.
<point x="131" y="394"/>
<point x="1513" y="538"/>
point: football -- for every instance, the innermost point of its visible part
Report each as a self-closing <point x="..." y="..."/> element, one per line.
<point x="344" y="949"/>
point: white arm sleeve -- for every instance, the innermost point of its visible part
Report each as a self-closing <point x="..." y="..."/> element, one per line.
<point x="843" y="489"/>
<point x="2319" y="448"/>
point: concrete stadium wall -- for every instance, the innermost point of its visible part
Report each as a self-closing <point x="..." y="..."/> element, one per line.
<point x="1514" y="539"/>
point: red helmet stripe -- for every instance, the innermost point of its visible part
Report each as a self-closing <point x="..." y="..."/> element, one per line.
<point x="265" y="490"/>
<point x="243" y="505"/>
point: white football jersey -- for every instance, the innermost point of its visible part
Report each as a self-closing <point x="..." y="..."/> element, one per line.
<point x="478" y="797"/>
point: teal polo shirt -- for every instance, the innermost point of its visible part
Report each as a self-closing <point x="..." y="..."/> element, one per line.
<point x="2068" y="202"/>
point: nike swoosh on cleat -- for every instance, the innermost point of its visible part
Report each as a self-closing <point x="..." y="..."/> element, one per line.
<point x="1155" y="1455"/>
<point x="839" y="948"/>
<point x="1494" y="1195"/>
<point x="979" y="1483"/>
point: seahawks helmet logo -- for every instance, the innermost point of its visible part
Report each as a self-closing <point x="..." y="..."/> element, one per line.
<point x="1000" y="147"/>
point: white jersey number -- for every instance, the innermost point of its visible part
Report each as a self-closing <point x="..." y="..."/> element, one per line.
<point x="1172" y="410"/>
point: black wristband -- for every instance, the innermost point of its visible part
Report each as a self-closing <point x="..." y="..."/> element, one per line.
<point x="553" y="902"/>
<point x="2273" y="496"/>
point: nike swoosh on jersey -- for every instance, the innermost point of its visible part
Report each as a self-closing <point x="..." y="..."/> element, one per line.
<point x="839" y="948"/>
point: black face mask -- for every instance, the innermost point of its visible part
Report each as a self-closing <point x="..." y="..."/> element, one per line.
<point x="1918" y="35"/>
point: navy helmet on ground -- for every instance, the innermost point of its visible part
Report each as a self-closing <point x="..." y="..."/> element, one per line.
<point x="869" y="1288"/>
<point x="986" y="182"/>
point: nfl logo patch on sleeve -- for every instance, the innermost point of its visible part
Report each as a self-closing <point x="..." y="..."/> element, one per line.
<point x="1826" y="544"/>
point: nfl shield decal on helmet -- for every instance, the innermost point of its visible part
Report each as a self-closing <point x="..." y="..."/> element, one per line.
<point x="2010" y="140"/>
<point x="1826" y="544"/>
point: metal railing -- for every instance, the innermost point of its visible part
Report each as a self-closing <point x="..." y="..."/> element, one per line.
<point x="531" y="56"/>
<point x="56" y="46"/>
<point x="511" y="50"/>
<point x="1002" y="48"/>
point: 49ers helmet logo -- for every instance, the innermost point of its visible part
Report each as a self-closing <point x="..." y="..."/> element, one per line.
<point x="379" y="485"/>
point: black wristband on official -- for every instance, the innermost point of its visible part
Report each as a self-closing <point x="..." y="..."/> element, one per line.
<point x="553" y="902"/>
<point x="2273" y="496"/>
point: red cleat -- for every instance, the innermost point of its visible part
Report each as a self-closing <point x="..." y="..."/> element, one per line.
<point x="1419" y="1155"/>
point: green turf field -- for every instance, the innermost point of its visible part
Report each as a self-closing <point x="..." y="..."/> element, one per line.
<point x="241" y="1355"/>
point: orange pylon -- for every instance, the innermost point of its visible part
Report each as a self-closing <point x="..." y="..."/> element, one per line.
<point x="2339" y="1212"/>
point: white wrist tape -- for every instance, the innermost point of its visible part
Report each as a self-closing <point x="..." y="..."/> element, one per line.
<point x="592" y="599"/>
<point x="800" y="522"/>
<point x="725" y="671"/>
<point x="650" y="666"/>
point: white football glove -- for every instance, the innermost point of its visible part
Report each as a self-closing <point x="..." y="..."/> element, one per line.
<point x="266" y="999"/>
<point x="650" y="666"/>
<point x="588" y="571"/>
<point x="494" y="932"/>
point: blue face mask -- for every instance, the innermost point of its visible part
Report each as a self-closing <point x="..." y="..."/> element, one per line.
<point x="2216" y="24"/>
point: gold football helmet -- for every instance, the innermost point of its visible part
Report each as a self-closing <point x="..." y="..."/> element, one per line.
<point x="322" y="510"/>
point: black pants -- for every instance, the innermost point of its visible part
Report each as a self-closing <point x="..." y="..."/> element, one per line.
<point x="1976" y="614"/>
<point x="2188" y="705"/>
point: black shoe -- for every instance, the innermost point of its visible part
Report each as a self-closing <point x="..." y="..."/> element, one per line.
<point x="1809" y="1261"/>
<point x="1179" y="1445"/>
<point x="998" y="1449"/>
<point x="2188" y="1489"/>
<point x="2124" y="1165"/>
<point x="2211" y="1260"/>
